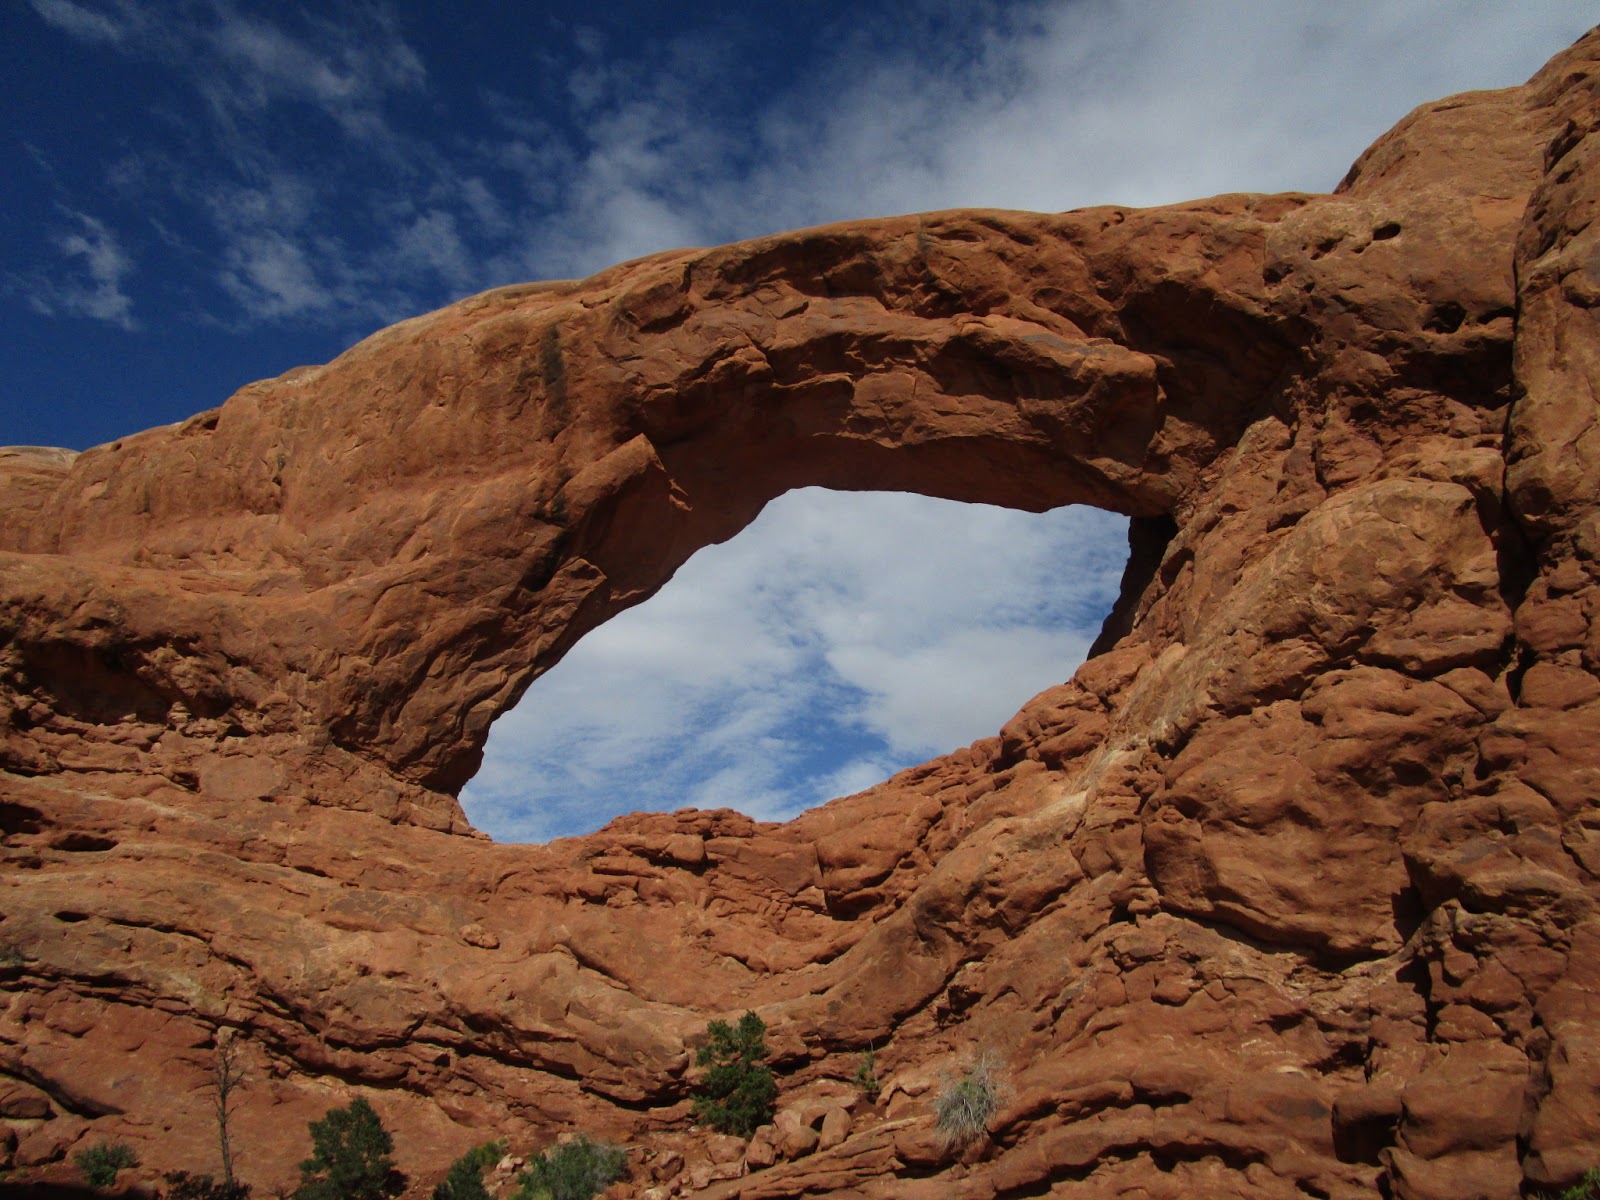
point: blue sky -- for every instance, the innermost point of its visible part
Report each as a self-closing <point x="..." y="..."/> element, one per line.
<point x="201" y="193"/>
<point x="836" y="640"/>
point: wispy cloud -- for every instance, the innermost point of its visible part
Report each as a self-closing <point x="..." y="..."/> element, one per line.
<point x="114" y="26"/>
<point x="340" y="68"/>
<point x="270" y="275"/>
<point x="1049" y="106"/>
<point x="289" y="163"/>
<point x="630" y="149"/>
<point x="245" y="63"/>
<point x="841" y="637"/>
<point x="88" y="282"/>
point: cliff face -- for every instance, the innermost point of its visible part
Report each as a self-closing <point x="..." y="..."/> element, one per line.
<point x="1292" y="889"/>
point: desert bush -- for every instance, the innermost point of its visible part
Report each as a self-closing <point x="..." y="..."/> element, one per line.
<point x="183" y="1186"/>
<point x="738" y="1092"/>
<point x="99" y="1164"/>
<point x="350" y="1157"/>
<point x="965" y="1104"/>
<point x="866" y="1076"/>
<point x="575" y="1170"/>
<point x="464" y="1180"/>
<point x="1587" y="1188"/>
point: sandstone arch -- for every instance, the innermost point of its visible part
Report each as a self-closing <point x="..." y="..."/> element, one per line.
<point x="1319" y="826"/>
<point x="540" y="457"/>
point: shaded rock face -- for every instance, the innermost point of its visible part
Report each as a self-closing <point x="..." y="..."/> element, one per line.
<point x="1290" y="890"/>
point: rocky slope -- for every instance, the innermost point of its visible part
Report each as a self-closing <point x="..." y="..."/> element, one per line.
<point x="1290" y="891"/>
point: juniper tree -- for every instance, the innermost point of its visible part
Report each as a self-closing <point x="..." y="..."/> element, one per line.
<point x="738" y="1092"/>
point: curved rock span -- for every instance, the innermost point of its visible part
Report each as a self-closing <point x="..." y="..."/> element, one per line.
<point x="1290" y="891"/>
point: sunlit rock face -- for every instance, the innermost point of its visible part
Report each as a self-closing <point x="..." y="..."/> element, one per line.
<point x="1289" y="890"/>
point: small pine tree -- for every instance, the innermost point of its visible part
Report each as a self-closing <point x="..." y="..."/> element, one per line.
<point x="350" y="1157"/>
<point x="738" y="1093"/>
<point x="464" y="1181"/>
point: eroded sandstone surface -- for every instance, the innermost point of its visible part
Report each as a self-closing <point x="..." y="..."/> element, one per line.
<point x="1290" y="891"/>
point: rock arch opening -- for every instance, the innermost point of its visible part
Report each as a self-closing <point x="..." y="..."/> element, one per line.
<point x="363" y="565"/>
<point x="841" y="637"/>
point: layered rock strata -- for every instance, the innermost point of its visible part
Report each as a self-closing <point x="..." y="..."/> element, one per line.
<point x="1290" y="890"/>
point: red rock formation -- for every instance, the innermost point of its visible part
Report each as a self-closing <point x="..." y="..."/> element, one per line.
<point x="1290" y="890"/>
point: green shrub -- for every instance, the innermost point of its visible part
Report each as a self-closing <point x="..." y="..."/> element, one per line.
<point x="738" y="1092"/>
<point x="350" y="1157"/>
<point x="464" y="1181"/>
<point x="575" y="1170"/>
<point x="964" y="1106"/>
<point x="1587" y="1188"/>
<point x="866" y="1077"/>
<point x="100" y="1163"/>
<point x="183" y="1186"/>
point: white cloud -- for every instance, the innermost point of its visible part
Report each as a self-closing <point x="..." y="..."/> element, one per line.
<point x="90" y="285"/>
<point x="855" y="776"/>
<point x="271" y="64"/>
<point x="1056" y="105"/>
<point x="293" y="239"/>
<point x="841" y="637"/>
<point x="431" y="245"/>
<point x="908" y="698"/>
<point x="345" y="70"/>
<point x="82" y="22"/>
<point x="1045" y="104"/>
<point x="245" y="62"/>
<point x="270" y="275"/>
